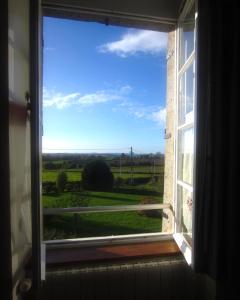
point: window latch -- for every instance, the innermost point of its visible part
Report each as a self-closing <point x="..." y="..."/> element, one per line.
<point x="28" y="100"/>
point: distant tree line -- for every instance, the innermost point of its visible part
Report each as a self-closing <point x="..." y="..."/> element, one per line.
<point x="48" y="165"/>
<point x="71" y="161"/>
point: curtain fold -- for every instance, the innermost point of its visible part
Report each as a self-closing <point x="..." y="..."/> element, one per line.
<point x="216" y="218"/>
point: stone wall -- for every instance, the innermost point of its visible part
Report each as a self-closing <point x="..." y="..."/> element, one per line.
<point x="169" y="143"/>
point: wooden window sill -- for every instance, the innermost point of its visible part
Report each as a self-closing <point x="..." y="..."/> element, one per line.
<point x="110" y="253"/>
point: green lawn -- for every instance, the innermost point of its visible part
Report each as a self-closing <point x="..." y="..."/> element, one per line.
<point x="90" y="198"/>
<point x="99" y="224"/>
<point x="103" y="224"/>
<point x="51" y="175"/>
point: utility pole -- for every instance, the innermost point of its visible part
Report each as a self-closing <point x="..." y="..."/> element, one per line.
<point x="131" y="166"/>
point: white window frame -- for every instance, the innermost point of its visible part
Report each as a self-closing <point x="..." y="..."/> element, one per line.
<point x="174" y="234"/>
<point x="181" y="241"/>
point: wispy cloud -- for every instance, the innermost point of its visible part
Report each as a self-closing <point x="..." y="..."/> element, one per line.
<point x="159" y="116"/>
<point x="151" y="42"/>
<point x="122" y="97"/>
<point x="140" y="111"/>
<point x="98" y="97"/>
<point x="51" y="98"/>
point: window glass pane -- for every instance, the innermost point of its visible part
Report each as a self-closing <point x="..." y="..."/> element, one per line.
<point x="187" y="36"/>
<point x="186" y="94"/>
<point x="185" y="155"/>
<point x="185" y="198"/>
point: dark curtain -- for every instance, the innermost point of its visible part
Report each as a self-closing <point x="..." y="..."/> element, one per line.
<point x="216" y="217"/>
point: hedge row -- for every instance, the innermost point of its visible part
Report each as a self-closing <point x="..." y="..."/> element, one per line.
<point x="49" y="187"/>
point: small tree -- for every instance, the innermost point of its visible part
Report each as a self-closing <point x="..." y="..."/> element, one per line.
<point x="49" y="187"/>
<point x="96" y="175"/>
<point x="61" y="181"/>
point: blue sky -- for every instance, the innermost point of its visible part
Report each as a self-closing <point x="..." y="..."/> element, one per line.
<point x="104" y="87"/>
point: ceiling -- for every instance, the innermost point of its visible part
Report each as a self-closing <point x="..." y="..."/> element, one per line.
<point x="150" y="14"/>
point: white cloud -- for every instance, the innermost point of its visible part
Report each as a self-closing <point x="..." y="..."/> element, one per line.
<point x="98" y="97"/>
<point x="140" y="111"/>
<point x="152" y="42"/>
<point x="159" y="116"/>
<point x="51" y="98"/>
<point x="126" y="89"/>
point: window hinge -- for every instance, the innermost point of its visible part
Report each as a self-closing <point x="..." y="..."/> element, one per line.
<point x="167" y="135"/>
<point x="169" y="54"/>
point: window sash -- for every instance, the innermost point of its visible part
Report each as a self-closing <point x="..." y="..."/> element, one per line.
<point x="98" y="209"/>
<point x="113" y="239"/>
<point x="185" y="155"/>
<point x="184" y="93"/>
<point x="180" y="236"/>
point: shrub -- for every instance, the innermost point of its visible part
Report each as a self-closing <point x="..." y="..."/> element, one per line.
<point x="51" y="166"/>
<point x="61" y="181"/>
<point x="72" y="200"/>
<point x="96" y="175"/>
<point x="73" y="186"/>
<point x="49" y="187"/>
<point x="141" y="180"/>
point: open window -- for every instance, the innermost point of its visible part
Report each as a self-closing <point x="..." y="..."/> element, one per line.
<point x="183" y="158"/>
<point x="185" y="129"/>
<point x="90" y="190"/>
<point x="180" y="206"/>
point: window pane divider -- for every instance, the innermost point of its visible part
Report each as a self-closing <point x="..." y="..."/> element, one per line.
<point x="186" y="125"/>
<point x="109" y="240"/>
<point x="98" y="209"/>
<point x="185" y="10"/>
<point x="185" y="185"/>
<point x="186" y="64"/>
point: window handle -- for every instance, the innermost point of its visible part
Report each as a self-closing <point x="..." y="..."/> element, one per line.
<point x="28" y="100"/>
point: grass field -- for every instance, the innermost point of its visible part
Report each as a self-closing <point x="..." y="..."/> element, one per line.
<point x="75" y="174"/>
<point x="99" y="224"/>
<point x="102" y="224"/>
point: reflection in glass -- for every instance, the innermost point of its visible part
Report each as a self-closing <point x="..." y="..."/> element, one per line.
<point x="186" y="96"/>
<point x="185" y="197"/>
<point x="187" y="36"/>
<point x="185" y="155"/>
